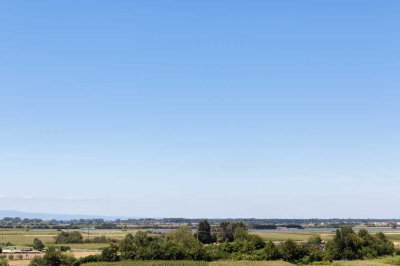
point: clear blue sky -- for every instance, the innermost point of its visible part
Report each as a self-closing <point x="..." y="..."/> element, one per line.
<point x="200" y="108"/>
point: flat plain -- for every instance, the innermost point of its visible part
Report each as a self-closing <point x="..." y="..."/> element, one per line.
<point x="20" y="238"/>
<point x="192" y="263"/>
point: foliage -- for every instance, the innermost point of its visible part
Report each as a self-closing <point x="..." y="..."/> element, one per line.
<point x="315" y="239"/>
<point x="240" y="245"/>
<point x="347" y="245"/>
<point x="69" y="237"/>
<point x="64" y="248"/>
<point x="290" y="251"/>
<point x="3" y="262"/>
<point x="270" y="251"/>
<point x="38" y="244"/>
<point x="204" y="232"/>
<point x="110" y="253"/>
<point x="54" y="257"/>
<point x="192" y="263"/>
<point x="91" y="258"/>
<point x="226" y="231"/>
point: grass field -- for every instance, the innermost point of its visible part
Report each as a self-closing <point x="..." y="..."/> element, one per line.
<point x="192" y="263"/>
<point x="296" y="236"/>
<point x="24" y="238"/>
<point x="378" y="262"/>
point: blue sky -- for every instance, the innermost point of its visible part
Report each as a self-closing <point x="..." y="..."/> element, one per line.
<point x="200" y="108"/>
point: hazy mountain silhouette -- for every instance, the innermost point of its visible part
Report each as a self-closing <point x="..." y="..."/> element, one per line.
<point x="51" y="216"/>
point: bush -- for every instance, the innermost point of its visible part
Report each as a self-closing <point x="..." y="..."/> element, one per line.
<point x="315" y="239"/>
<point x="291" y="251"/>
<point x="396" y="251"/>
<point x="90" y="258"/>
<point x="110" y="253"/>
<point x="270" y="252"/>
<point x="183" y="245"/>
<point x="69" y="237"/>
<point x="54" y="257"/>
<point x="38" y="244"/>
<point x="214" y="252"/>
<point x="64" y="248"/>
<point x="3" y="262"/>
<point x="37" y="261"/>
<point x="349" y="246"/>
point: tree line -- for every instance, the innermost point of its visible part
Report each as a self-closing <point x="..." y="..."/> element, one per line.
<point x="232" y="241"/>
<point x="228" y="241"/>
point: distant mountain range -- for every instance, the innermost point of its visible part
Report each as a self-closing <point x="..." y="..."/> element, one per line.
<point x="51" y="216"/>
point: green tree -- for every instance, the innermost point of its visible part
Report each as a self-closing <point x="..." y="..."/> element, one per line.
<point x="37" y="261"/>
<point x="69" y="237"/>
<point x="226" y="231"/>
<point x="344" y="245"/>
<point x="127" y="247"/>
<point x="183" y="245"/>
<point x="270" y="251"/>
<point x="110" y="253"/>
<point x="204" y="232"/>
<point x="54" y="257"/>
<point x="315" y="239"/>
<point x="38" y="244"/>
<point x="290" y="251"/>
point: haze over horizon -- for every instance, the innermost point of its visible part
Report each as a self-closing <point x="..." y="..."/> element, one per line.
<point x="210" y="109"/>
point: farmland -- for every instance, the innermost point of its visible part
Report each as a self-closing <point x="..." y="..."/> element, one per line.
<point x="380" y="262"/>
<point x="20" y="239"/>
<point x="24" y="237"/>
<point x="192" y="263"/>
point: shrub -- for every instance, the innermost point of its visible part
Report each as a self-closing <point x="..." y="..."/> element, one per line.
<point x="90" y="258"/>
<point x="315" y="239"/>
<point x="53" y="257"/>
<point x="397" y="251"/>
<point x="3" y="262"/>
<point x="271" y="252"/>
<point x="290" y="251"/>
<point x="37" y="261"/>
<point x="64" y="248"/>
<point x="69" y="237"/>
<point x="38" y="244"/>
<point x="110" y="253"/>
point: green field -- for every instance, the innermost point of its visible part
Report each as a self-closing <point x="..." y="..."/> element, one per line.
<point x="191" y="263"/>
<point x="296" y="236"/>
<point x="377" y="262"/>
<point x="24" y="238"/>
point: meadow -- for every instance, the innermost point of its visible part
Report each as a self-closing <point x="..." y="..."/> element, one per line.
<point x="378" y="262"/>
<point x="191" y="263"/>
<point x="23" y="238"/>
